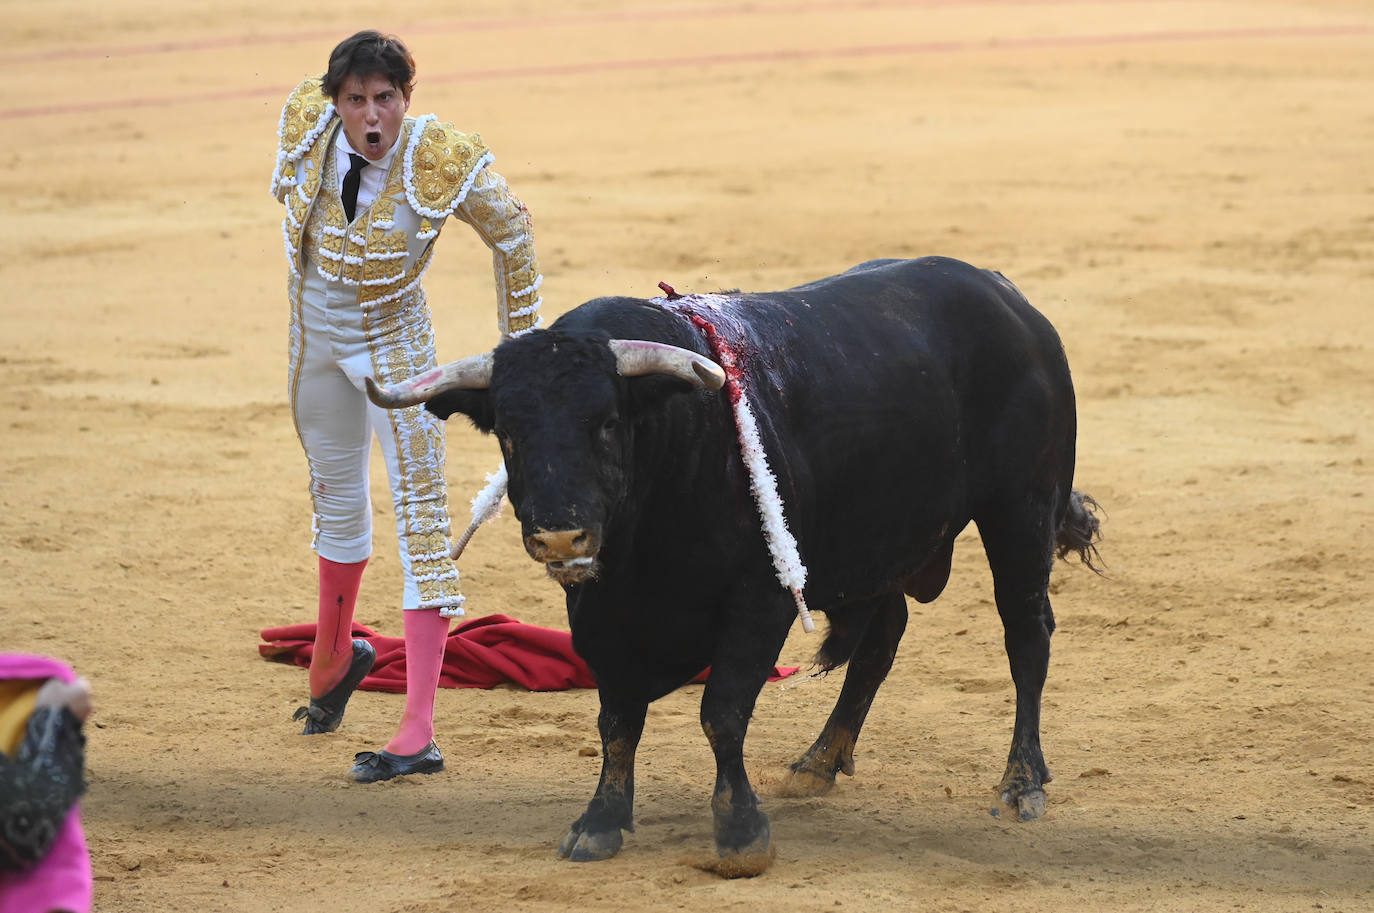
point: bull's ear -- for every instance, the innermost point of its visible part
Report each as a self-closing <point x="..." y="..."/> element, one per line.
<point x="475" y="404"/>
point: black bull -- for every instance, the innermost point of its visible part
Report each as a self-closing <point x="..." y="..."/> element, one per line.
<point x="895" y="402"/>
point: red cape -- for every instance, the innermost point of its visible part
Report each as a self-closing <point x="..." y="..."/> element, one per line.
<point x="480" y="653"/>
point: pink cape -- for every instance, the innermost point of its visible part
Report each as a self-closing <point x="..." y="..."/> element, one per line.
<point x="62" y="881"/>
<point x="480" y="653"/>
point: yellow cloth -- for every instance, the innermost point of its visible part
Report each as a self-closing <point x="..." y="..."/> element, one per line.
<point x="17" y="699"/>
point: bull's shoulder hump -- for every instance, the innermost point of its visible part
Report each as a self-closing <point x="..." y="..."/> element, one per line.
<point x="894" y="269"/>
<point x="619" y="316"/>
<point x="607" y="308"/>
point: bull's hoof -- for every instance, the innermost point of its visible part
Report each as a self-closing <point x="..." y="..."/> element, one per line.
<point x="802" y="782"/>
<point x="736" y="866"/>
<point x="585" y="846"/>
<point x="1027" y="803"/>
<point x="1023" y="786"/>
<point x="738" y="842"/>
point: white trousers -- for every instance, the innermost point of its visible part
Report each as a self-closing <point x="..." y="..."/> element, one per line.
<point x="337" y="422"/>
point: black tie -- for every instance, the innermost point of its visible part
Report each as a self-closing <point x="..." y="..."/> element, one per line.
<point x="350" y="184"/>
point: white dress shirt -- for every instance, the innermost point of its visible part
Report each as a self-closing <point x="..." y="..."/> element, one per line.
<point x="370" y="183"/>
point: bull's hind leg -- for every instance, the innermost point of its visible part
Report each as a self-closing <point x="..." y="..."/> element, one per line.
<point x="833" y="751"/>
<point x="596" y="835"/>
<point x="1019" y="546"/>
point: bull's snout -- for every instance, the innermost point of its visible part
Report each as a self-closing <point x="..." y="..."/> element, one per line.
<point x="548" y="545"/>
<point x="569" y="555"/>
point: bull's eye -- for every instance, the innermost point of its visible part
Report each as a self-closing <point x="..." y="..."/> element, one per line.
<point x="609" y="425"/>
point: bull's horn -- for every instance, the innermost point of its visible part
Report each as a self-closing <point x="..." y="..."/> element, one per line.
<point x="634" y="357"/>
<point x="471" y="373"/>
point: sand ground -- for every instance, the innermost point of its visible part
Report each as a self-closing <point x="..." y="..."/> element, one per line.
<point x="1184" y="188"/>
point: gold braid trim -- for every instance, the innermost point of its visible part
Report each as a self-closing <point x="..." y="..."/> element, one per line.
<point x="304" y="117"/>
<point x="441" y="163"/>
<point x="504" y="225"/>
<point x="422" y="502"/>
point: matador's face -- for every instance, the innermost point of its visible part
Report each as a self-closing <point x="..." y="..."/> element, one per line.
<point x="372" y="109"/>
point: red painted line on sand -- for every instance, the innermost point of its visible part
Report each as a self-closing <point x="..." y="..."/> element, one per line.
<point x="525" y="24"/>
<point x="701" y="61"/>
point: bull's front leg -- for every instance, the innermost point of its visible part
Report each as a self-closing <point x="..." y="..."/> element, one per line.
<point x="596" y="835"/>
<point x="737" y="676"/>
<point x="741" y="826"/>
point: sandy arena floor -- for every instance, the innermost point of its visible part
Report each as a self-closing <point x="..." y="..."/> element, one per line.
<point x="1184" y="188"/>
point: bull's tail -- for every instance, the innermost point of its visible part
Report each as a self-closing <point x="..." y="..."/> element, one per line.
<point x="1080" y="531"/>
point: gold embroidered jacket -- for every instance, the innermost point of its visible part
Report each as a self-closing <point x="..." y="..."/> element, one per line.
<point x="438" y="172"/>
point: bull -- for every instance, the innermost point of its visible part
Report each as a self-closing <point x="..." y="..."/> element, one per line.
<point x="895" y="403"/>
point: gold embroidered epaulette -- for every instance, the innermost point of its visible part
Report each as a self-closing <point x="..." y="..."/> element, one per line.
<point x="440" y="165"/>
<point x="304" y="117"/>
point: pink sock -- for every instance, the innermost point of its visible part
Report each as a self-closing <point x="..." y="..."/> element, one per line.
<point x="333" y="635"/>
<point x="426" y="631"/>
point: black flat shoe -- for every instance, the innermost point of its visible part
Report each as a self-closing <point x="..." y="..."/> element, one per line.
<point x="371" y="766"/>
<point x="326" y="713"/>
